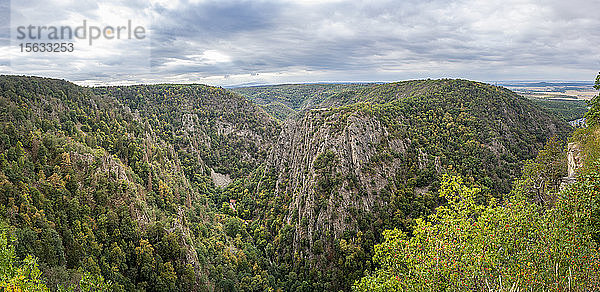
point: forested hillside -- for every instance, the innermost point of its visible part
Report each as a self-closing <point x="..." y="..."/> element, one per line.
<point x="207" y="126"/>
<point x="355" y="170"/>
<point x="192" y="187"/>
<point x="290" y="100"/>
<point x="121" y="187"/>
<point x="567" y="109"/>
<point x="544" y="235"/>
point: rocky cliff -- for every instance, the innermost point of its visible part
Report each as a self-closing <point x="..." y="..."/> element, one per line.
<point x="354" y="169"/>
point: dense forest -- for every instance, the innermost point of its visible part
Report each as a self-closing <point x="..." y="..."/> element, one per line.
<point x="543" y="235"/>
<point x="424" y="185"/>
<point x="289" y="100"/>
<point x="564" y="108"/>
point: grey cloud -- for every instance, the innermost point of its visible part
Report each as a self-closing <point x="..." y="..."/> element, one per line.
<point x="4" y="22"/>
<point x="366" y="40"/>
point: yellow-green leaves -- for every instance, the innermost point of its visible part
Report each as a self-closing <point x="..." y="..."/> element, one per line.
<point x="499" y="246"/>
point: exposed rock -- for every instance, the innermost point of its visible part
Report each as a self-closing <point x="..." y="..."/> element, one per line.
<point x="219" y="179"/>
<point x="357" y="181"/>
<point x="375" y="156"/>
<point x="574" y="162"/>
<point x="573" y="158"/>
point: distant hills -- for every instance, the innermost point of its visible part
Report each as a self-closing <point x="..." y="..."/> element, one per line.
<point x="543" y="83"/>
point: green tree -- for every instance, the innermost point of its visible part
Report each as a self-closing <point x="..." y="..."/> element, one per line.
<point x="93" y="283"/>
<point x="542" y="175"/>
<point x="593" y="115"/>
<point x="14" y="276"/>
<point x="501" y="246"/>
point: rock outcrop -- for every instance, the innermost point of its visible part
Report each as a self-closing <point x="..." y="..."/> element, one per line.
<point x="574" y="162"/>
<point x="326" y="167"/>
<point x="351" y="170"/>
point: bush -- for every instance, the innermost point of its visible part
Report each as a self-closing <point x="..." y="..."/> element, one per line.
<point x="501" y="246"/>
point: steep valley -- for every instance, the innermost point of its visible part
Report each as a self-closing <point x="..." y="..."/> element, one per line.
<point x="192" y="187"/>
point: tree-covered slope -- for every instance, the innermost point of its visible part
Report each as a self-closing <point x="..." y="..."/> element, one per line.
<point x="77" y="181"/>
<point x="287" y="100"/>
<point x="351" y="171"/>
<point x="109" y="183"/>
<point x="211" y="125"/>
<point x="541" y="237"/>
<point x="565" y="108"/>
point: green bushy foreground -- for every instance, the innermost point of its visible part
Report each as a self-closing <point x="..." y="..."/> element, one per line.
<point x="499" y="246"/>
<point x="26" y="275"/>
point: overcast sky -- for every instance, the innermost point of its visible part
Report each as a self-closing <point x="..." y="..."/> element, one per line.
<point x="249" y="42"/>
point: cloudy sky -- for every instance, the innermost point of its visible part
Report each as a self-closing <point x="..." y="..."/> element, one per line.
<point x="255" y="42"/>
